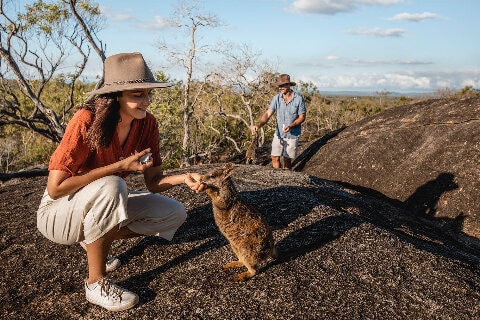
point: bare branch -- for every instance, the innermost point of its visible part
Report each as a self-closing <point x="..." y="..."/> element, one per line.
<point x="33" y="49"/>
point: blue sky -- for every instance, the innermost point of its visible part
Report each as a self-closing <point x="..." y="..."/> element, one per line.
<point x="361" y="45"/>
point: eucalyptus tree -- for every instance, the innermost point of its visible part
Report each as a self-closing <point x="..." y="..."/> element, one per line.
<point x="189" y="19"/>
<point x="37" y="44"/>
<point x="245" y="76"/>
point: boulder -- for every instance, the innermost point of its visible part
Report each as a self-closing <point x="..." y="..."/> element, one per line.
<point x="423" y="157"/>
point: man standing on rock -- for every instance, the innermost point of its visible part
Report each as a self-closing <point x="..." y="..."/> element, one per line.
<point x="290" y="109"/>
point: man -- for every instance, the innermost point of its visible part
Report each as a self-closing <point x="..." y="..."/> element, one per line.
<point x="290" y="109"/>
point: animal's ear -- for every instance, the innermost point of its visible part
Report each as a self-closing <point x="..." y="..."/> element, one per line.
<point x="228" y="169"/>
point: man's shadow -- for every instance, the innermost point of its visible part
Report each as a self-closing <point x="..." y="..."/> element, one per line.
<point x="299" y="162"/>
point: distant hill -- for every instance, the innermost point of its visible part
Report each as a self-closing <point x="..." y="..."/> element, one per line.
<point x="373" y="94"/>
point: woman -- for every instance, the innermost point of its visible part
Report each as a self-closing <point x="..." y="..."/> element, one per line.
<point x="86" y="199"/>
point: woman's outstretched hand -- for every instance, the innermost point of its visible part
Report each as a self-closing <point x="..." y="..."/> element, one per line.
<point x="192" y="180"/>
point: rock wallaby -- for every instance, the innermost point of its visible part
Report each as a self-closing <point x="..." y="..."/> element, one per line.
<point x="244" y="227"/>
<point x="251" y="154"/>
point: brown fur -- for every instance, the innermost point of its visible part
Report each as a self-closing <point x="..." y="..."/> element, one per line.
<point x="251" y="154"/>
<point x="244" y="227"/>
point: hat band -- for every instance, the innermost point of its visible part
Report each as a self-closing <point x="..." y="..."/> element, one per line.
<point x="128" y="82"/>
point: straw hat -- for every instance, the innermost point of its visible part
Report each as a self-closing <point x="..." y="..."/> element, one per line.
<point x="127" y="71"/>
<point x="283" y="79"/>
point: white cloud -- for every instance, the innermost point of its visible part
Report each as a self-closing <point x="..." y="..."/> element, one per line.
<point x="402" y="81"/>
<point x="332" y="58"/>
<point x="363" y="62"/>
<point x="379" y="2"/>
<point x="116" y="16"/>
<point x="326" y="7"/>
<point x="412" y="62"/>
<point x="471" y="82"/>
<point x="331" y="7"/>
<point x="444" y="83"/>
<point x="457" y="79"/>
<point x="158" y="23"/>
<point x="377" y="32"/>
<point x="416" y="17"/>
<point x="372" y="81"/>
<point x="422" y="81"/>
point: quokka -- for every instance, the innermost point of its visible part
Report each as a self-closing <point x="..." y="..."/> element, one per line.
<point x="251" y="154"/>
<point x="244" y="227"/>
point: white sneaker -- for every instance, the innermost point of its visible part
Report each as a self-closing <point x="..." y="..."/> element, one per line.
<point x="109" y="295"/>
<point x="112" y="264"/>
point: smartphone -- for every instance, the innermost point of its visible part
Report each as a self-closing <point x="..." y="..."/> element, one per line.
<point x="144" y="159"/>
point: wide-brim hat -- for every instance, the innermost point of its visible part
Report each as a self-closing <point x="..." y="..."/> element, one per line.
<point x="284" y="79"/>
<point x="127" y="71"/>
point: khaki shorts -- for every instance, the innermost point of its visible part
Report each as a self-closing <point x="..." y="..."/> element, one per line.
<point x="284" y="147"/>
<point x="105" y="204"/>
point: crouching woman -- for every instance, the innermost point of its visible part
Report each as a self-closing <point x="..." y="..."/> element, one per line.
<point x="86" y="199"/>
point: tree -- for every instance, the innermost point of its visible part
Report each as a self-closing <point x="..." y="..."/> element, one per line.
<point x="188" y="18"/>
<point x="242" y="74"/>
<point x="36" y="43"/>
<point x="382" y="96"/>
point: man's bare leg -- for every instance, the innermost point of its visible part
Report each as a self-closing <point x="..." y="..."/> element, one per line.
<point x="275" y="162"/>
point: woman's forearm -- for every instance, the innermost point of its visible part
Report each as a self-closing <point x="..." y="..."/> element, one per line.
<point x="61" y="183"/>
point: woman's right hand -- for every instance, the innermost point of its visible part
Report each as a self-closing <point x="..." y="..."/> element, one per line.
<point x="133" y="163"/>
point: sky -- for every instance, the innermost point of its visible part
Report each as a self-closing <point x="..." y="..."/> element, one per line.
<point x="338" y="45"/>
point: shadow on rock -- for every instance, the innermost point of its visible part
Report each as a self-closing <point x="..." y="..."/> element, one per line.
<point x="299" y="163"/>
<point x="418" y="219"/>
<point x="424" y="200"/>
<point x="313" y="237"/>
<point x="142" y="281"/>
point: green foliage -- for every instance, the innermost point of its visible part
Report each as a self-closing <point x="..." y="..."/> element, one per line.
<point x="37" y="153"/>
<point x="21" y="148"/>
<point x="43" y="16"/>
<point x="468" y="91"/>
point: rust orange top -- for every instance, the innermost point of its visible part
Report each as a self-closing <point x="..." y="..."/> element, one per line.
<point x="73" y="154"/>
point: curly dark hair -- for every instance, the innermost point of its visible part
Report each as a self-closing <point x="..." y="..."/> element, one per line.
<point x="106" y="110"/>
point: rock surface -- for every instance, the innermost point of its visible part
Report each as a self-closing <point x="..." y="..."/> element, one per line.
<point x="424" y="157"/>
<point x="347" y="255"/>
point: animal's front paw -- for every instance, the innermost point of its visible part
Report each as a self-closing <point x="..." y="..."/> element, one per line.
<point x="233" y="264"/>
